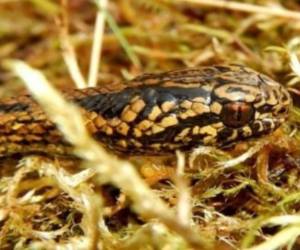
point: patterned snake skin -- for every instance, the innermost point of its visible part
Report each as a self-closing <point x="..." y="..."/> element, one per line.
<point x="156" y="113"/>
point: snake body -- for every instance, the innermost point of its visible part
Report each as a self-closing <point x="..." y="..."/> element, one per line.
<point x="156" y="113"/>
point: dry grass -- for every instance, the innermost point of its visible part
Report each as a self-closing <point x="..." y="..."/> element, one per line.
<point x="243" y="198"/>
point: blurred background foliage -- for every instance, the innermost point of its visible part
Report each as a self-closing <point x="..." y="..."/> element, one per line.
<point x="146" y="35"/>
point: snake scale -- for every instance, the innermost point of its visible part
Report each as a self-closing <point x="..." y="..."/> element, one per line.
<point x="156" y="113"/>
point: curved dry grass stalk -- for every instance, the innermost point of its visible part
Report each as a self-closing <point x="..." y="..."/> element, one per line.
<point x="109" y="168"/>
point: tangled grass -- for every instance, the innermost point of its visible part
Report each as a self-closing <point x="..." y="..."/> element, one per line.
<point x="243" y="198"/>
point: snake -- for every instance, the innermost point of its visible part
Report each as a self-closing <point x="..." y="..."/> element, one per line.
<point x="155" y="113"/>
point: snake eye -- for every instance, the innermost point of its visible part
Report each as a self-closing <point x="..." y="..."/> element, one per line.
<point x="237" y="114"/>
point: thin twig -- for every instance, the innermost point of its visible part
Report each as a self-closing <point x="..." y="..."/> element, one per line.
<point x="97" y="43"/>
<point x="245" y="7"/>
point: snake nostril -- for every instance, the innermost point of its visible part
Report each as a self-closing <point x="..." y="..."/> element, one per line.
<point x="283" y="110"/>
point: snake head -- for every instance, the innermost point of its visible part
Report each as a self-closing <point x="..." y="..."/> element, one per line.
<point x="273" y="104"/>
<point x="252" y="104"/>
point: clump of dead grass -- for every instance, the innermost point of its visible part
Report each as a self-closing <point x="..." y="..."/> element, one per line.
<point x="247" y="197"/>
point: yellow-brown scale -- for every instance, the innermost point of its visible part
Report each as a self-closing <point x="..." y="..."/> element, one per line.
<point x="156" y="113"/>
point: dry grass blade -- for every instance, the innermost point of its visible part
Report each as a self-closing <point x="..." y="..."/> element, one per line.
<point x="71" y="62"/>
<point x="243" y="157"/>
<point x="184" y="199"/>
<point x="283" y="238"/>
<point x="97" y="43"/>
<point x="121" y="173"/>
<point x="293" y="47"/>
